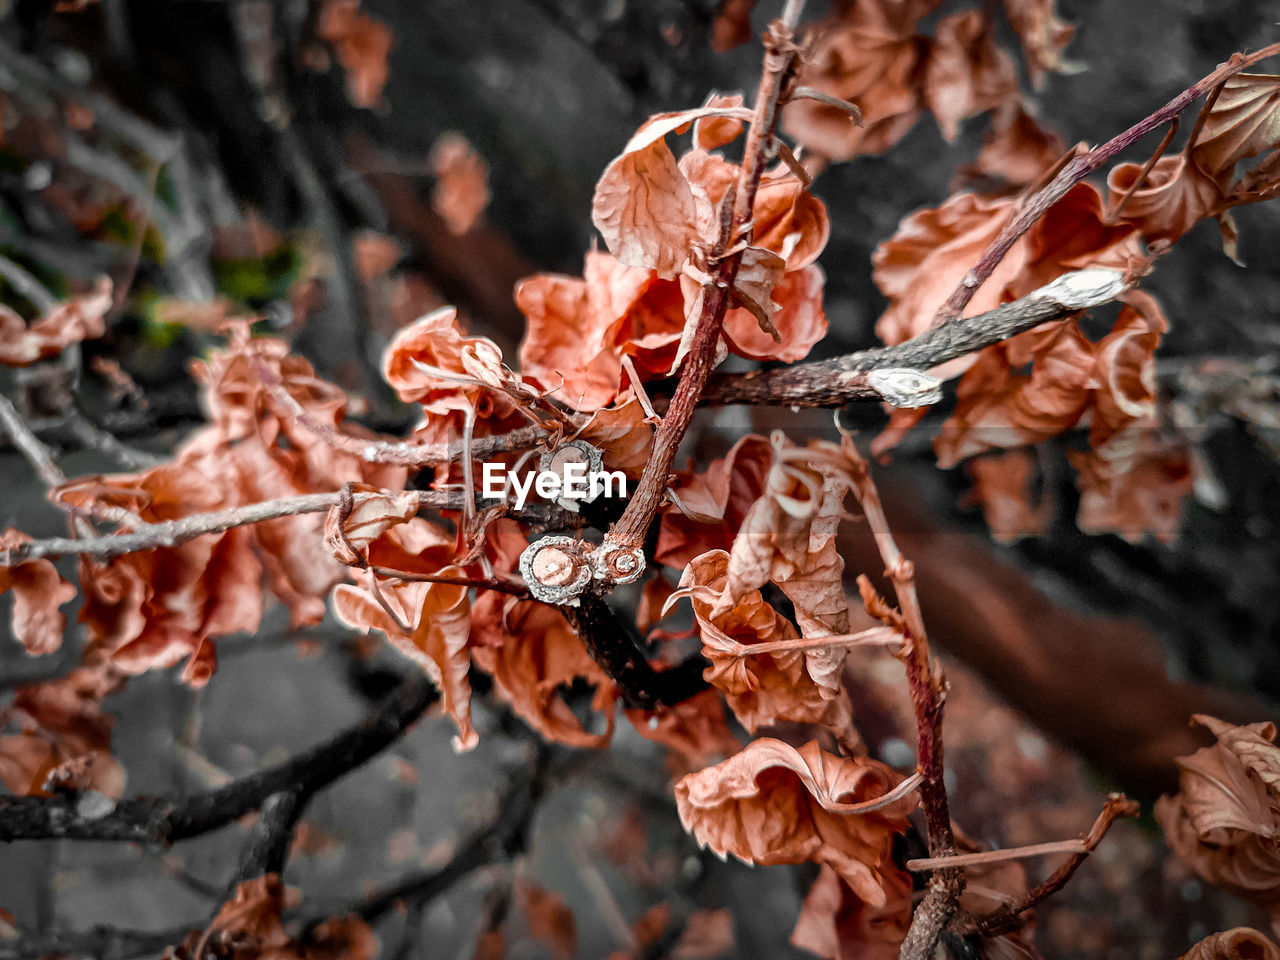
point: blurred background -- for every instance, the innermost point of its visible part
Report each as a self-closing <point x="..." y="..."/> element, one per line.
<point x="285" y="157"/>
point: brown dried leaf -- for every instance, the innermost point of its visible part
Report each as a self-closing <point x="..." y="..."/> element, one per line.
<point x="965" y="72"/>
<point x="773" y="803"/>
<point x="1244" y="122"/>
<point x="362" y="43"/>
<point x="1043" y="36"/>
<point x="1175" y="197"/>
<point x="761" y="689"/>
<point x="372" y="515"/>
<point x="695" y="729"/>
<point x="758" y="274"/>
<point x="1226" y="816"/>
<point x="1239" y="943"/>
<point x="732" y="26"/>
<point x="38" y="592"/>
<point x="837" y="924"/>
<point x="438" y="618"/>
<point x="1002" y="487"/>
<point x="80" y="318"/>
<point x="643" y="206"/>
<point x="798" y="316"/>
<point x="462" y="183"/>
<point x="1016" y="149"/>
<point x="710" y="133"/>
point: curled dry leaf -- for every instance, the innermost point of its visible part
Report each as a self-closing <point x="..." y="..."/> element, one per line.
<point x="773" y="803"/>
<point x="1002" y="487"/>
<point x="1244" y="122"/>
<point x="435" y="342"/>
<point x="837" y="924"/>
<point x="1225" y="819"/>
<point x="38" y="591"/>
<point x="761" y="688"/>
<point x="1239" y="943"/>
<point x="536" y="660"/>
<point x="965" y="72"/>
<point x="713" y="132"/>
<point x="1133" y="486"/>
<point x="362" y="43"/>
<point x="1174" y="197"/>
<point x="798" y="317"/>
<point x="462" y="183"/>
<point x="78" y="319"/>
<point x="429" y="623"/>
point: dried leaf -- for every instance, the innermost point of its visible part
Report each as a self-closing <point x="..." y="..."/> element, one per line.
<point x="732" y="26"/>
<point x="362" y="43"/>
<point x="1226" y="816"/>
<point x="798" y="316"/>
<point x="38" y="592"/>
<point x="371" y="516"/>
<point x="1016" y="149"/>
<point x="643" y="206"/>
<point x="837" y="924"/>
<point x="535" y="659"/>
<point x="1043" y="36"/>
<point x="78" y="319"/>
<point x="462" y="183"/>
<point x="430" y="626"/>
<point x="1239" y="943"/>
<point x="1175" y="196"/>
<point x="1002" y="487"/>
<point x="773" y="803"/>
<point x="713" y="132"/>
<point x="1244" y="122"/>
<point x="965" y="72"/>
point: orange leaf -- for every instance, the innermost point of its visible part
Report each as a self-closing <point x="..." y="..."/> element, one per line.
<point x="837" y="924"/>
<point x="78" y="319"/>
<point x="462" y="183"/>
<point x="363" y="44"/>
<point x="1239" y="943"/>
<point x="1043" y="36"/>
<point x="773" y="803"/>
<point x="965" y="72"/>
<point x="38" y="592"/>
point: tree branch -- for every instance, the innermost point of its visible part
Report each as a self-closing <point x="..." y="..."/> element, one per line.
<point x="841" y="380"/>
<point x="267" y="848"/>
<point x="167" y="821"/>
<point x="928" y="692"/>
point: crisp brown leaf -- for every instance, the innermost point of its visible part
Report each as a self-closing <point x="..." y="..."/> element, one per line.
<point x="430" y="626"/>
<point x="1226" y="816"/>
<point x="372" y="515"/>
<point x="1016" y="148"/>
<point x="1244" y="122"/>
<point x="1175" y="196"/>
<point x="799" y="318"/>
<point x="773" y="803"/>
<point x="837" y="924"/>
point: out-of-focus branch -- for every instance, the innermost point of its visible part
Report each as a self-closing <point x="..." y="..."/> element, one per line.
<point x="167" y="821"/>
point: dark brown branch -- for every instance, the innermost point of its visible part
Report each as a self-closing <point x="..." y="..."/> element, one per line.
<point x="613" y="648"/>
<point x="166" y="821"/>
<point x="267" y="848"/>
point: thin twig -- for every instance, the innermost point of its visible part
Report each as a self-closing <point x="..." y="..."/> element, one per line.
<point x="1009" y="917"/>
<point x="997" y="856"/>
<point x="171" y="533"/>
<point x="29" y="445"/>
